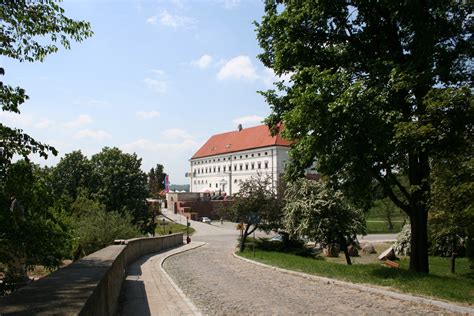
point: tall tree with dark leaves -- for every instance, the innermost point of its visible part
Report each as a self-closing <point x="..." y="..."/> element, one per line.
<point x="119" y="183"/>
<point x="377" y="88"/>
<point x="156" y="179"/>
<point x="30" y="30"/>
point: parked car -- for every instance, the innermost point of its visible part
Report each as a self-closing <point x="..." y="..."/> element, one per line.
<point x="206" y="220"/>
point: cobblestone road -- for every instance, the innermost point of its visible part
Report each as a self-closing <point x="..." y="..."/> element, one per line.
<point x="218" y="283"/>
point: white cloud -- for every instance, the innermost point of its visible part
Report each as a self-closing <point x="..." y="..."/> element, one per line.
<point x="143" y="115"/>
<point x="250" y="119"/>
<point x="152" y="20"/>
<point x="176" y="133"/>
<point x="203" y="62"/>
<point x="44" y="123"/>
<point x="158" y="72"/>
<point x="171" y="20"/>
<point x="91" y="134"/>
<point x="240" y="67"/>
<point x="229" y="4"/>
<point x="80" y="121"/>
<point x="91" y="102"/>
<point x="148" y="145"/>
<point x="157" y="85"/>
<point x="16" y="120"/>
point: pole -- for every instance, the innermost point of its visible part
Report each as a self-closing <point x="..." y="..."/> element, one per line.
<point x="254" y="243"/>
<point x="153" y="219"/>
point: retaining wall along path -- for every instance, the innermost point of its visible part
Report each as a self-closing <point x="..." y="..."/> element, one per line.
<point x="89" y="286"/>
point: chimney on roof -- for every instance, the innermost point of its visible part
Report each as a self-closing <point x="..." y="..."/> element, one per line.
<point x="239" y="127"/>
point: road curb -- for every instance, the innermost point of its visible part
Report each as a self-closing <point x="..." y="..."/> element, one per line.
<point x="194" y="245"/>
<point x="405" y="297"/>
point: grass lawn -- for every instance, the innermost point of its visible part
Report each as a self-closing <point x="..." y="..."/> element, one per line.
<point x="173" y="227"/>
<point x="380" y="227"/>
<point x="440" y="283"/>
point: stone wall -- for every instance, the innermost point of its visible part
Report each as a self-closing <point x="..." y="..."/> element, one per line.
<point x="89" y="286"/>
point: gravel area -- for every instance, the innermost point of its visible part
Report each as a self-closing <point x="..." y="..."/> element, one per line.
<point x="219" y="284"/>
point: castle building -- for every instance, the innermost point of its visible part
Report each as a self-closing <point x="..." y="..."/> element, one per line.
<point x="227" y="159"/>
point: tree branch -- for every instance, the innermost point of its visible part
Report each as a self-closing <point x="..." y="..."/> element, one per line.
<point x="388" y="190"/>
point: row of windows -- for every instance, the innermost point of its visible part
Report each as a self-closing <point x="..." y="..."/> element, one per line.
<point x="228" y="158"/>
<point x="210" y="184"/>
<point x="240" y="167"/>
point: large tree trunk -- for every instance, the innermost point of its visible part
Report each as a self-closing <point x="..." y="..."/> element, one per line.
<point x="419" y="240"/>
<point x="244" y="237"/>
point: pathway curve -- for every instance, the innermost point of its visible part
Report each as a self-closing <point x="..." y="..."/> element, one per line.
<point x="148" y="290"/>
<point x="218" y="283"/>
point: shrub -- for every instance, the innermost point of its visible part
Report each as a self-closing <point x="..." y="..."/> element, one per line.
<point x="403" y="244"/>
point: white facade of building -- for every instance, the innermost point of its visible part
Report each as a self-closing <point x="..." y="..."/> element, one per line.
<point x="224" y="172"/>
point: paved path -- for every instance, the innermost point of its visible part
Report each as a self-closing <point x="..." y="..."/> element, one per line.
<point x="149" y="291"/>
<point x="218" y="283"/>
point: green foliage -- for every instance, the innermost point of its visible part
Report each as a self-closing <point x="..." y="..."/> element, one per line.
<point x="256" y="205"/>
<point x="72" y="174"/>
<point x="403" y="244"/>
<point x="119" y="184"/>
<point x="451" y="221"/>
<point x="95" y="228"/>
<point x="439" y="283"/>
<point x="32" y="231"/>
<point x="313" y="210"/>
<point x="376" y="88"/>
<point x="156" y="178"/>
<point x="29" y="32"/>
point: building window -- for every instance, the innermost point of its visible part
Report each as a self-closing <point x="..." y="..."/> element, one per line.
<point x="253" y="166"/>
<point x="235" y="180"/>
<point x="194" y="181"/>
<point x="235" y="167"/>
<point x="266" y="164"/>
<point x="224" y="168"/>
<point x="266" y="153"/>
<point x="218" y="169"/>
<point x="218" y="159"/>
<point x="235" y="157"/>
<point x="241" y="167"/>
<point x="246" y="166"/>
<point x="240" y="157"/>
<point x="252" y="155"/>
<point x="210" y="185"/>
<point x="214" y="169"/>
<point x="246" y="156"/>
<point x="259" y="165"/>
<point x="230" y="167"/>
<point x="259" y="154"/>
<point x="216" y="185"/>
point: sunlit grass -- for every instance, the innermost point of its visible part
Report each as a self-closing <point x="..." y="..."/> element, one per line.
<point x="440" y="283"/>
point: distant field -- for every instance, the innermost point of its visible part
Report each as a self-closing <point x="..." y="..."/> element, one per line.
<point x="380" y="227"/>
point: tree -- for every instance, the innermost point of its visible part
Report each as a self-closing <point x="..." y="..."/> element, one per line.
<point x="72" y="174"/>
<point x="256" y="206"/>
<point x="119" y="184"/>
<point x="32" y="231"/>
<point x="156" y="180"/>
<point x="313" y="210"/>
<point x="451" y="220"/>
<point x="377" y="88"/>
<point x="29" y="32"/>
<point x="95" y="228"/>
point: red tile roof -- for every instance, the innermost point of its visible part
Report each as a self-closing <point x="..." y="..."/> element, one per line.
<point x="247" y="138"/>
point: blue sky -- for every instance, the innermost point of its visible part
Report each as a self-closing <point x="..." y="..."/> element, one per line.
<point x="157" y="78"/>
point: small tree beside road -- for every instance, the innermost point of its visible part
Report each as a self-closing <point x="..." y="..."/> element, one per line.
<point x="312" y="209"/>
<point x="256" y="206"/>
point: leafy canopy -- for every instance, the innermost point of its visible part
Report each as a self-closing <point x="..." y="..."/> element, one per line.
<point x="30" y="30"/>
<point x="313" y="210"/>
<point x="377" y="88"/>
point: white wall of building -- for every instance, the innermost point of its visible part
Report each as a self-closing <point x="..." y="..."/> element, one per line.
<point x="214" y="173"/>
